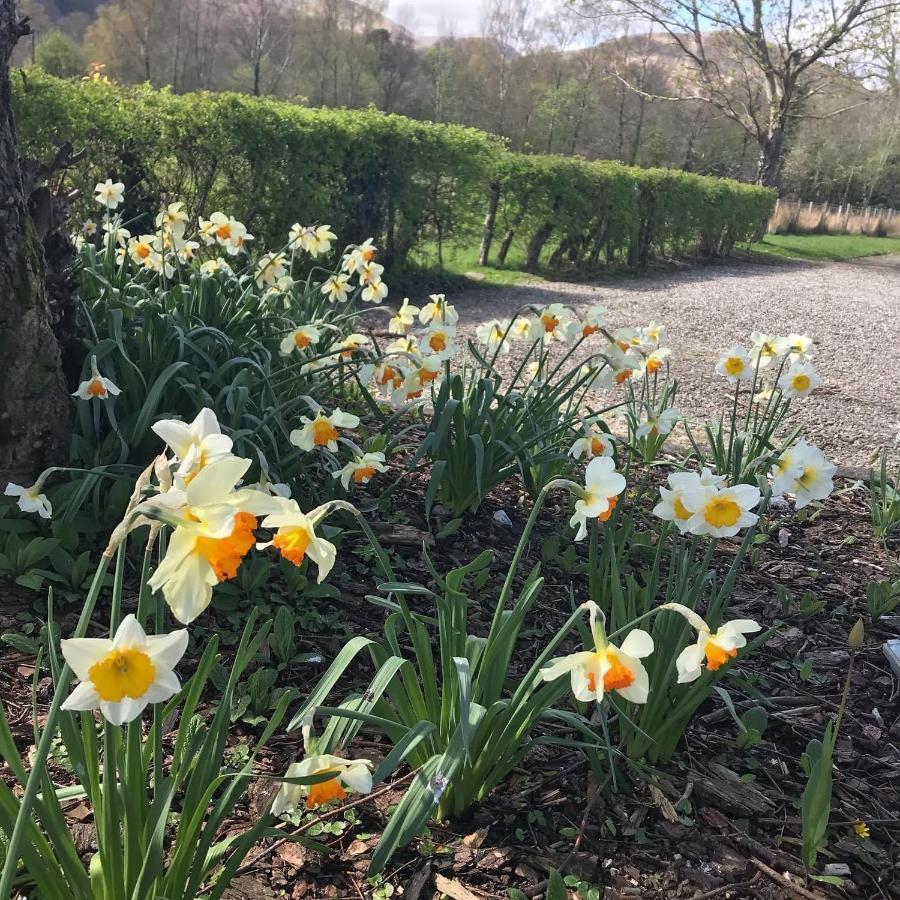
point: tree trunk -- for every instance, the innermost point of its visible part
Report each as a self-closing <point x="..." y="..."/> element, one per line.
<point x="35" y="408"/>
<point x="536" y="244"/>
<point x="771" y="152"/>
<point x="487" y="236"/>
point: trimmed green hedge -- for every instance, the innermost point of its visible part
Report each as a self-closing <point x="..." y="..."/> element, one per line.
<point x="399" y="180"/>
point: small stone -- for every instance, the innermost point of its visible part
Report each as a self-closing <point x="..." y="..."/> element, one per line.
<point x="840" y="870"/>
<point x="501" y="517"/>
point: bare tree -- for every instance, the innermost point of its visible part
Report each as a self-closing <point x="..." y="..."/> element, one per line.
<point x="35" y="409"/>
<point x="755" y="61"/>
<point x="263" y="32"/>
<point x="507" y="24"/>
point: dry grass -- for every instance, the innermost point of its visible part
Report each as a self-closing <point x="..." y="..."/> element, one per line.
<point x="791" y="217"/>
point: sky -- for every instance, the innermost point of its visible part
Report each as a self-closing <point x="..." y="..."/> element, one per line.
<point x="437" y="16"/>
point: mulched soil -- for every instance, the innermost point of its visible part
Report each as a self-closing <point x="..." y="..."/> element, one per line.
<point x="713" y="822"/>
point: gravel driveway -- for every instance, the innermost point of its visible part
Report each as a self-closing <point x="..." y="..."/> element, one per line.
<point x="851" y="310"/>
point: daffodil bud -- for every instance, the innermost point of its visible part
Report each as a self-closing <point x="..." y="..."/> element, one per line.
<point x="857" y="634"/>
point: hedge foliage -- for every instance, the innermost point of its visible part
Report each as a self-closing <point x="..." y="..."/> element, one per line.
<point x="402" y="181"/>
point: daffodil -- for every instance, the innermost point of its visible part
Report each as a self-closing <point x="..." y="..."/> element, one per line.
<point x="799" y="346"/>
<point x="429" y="368"/>
<point x="31" y="499"/>
<point x="119" y="234"/>
<point x="96" y="386"/>
<point x="301" y="337"/>
<point x="493" y="334"/>
<point x="735" y="365"/>
<point x="336" y="288"/>
<point x="350" y="344"/>
<point x="314" y="239"/>
<point x="361" y="469"/>
<point x="799" y="381"/>
<point x="358" y="257"/>
<point x="522" y="329"/>
<point x="551" y="317"/>
<point x="671" y="506"/>
<point x="437" y="309"/>
<point x="387" y="376"/>
<point x="89" y="228"/>
<point x="404" y="318"/>
<point x="805" y="472"/>
<point x="348" y="774"/>
<point x="623" y="363"/>
<point x="654" y="360"/>
<point x="597" y="377"/>
<point x="593" y="320"/>
<point x="714" y="648"/>
<point x="408" y="343"/>
<point x="144" y="250"/>
<point x="765" y="348"/>
<point x="295" y="536"/>
<point x="438" y="339"/>
<point x="653" y="335"/>
<point x="606" y="668"/>
<point x="721" y="512"/>
<point x="109" y="193"/>
<point x="374" y="291"/>
<point x="225" y="231"/>
<point x="120" y="677"/>
<point x="603" y="484"/>
<point x="322" y="431"/>
<point x="213" y="530"/>
<point x="269" y="268"/>
<point x="660" y="423"/>
<point x="593" y="442"/>
<point x="195" y="445"/>
<point x="173" y="219"/>
<point x="211" y="266"/>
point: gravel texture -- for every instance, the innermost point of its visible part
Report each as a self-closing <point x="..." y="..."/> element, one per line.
<point x="851" y="310"/>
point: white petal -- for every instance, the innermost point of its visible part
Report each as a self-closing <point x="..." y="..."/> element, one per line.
<point x="637" y="644"/>
<point x="82" y="653"/>
<point x="129" y="633"/>
<point x="559" y="667"/>
<point x="357" y="777"/>
<point x="14" y="490"/>
<point x="205" y="424"/>
<point x="166" y="650"/>
<point x="688" y="663"/>
<point x="747" y="495"/>
<point x="323" y="554"/>
<point x="213" y="482"/>
<point x="639" y="689"/>
<point x="165" y="685"/>
<point x="176" y="434"/>
<point x="83" y="697"/>
<point x="124" y="711"/>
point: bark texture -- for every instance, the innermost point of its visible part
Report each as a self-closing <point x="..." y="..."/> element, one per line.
<point x="35" y="407"/>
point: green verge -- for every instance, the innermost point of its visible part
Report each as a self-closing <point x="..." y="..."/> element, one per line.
<point x="834" y="247"/>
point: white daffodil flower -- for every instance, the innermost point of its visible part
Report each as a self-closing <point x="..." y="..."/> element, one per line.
<point x="300" y="337"/>
<point x="671" y="507"/>
<point x="96" y="386"/>
<point x="358" y="257"/>
<point x="765" y="348"/>
<point x="721" y="512"/>
<point x="603" y="484"/>
<point x="213" y="531"/>
<point x="493" y="334"/>
<point x="805" y="472"/>
<point x="322" y="431"/>
<point x="362" y="469"/>
<point x="659" y="423"/>
<point x="295" y="536"/>
<point x="439" y="340"/>
<point x="735" y="365"/>
<point x="606" y="668"/>
<point x="349" y="774"/>
<point x="438" y="310"/>
<point x="799" y="381"/>
<point x="594" y="442"/>
<point x="195" y="445"/>
<point x="109" y="193"/>
<point x="593" y="320"/>
<point x="336" y="288"/>
<point x="799" y="346"/>
<point x="655" y="360"/>
<point x="374" y="291"/>
<point x="404" y="318"/>
<point x="120" y="677"/>
<point x="653" y="335"/>
<point x="715" y="648"/>
<point x="31" y="499"/>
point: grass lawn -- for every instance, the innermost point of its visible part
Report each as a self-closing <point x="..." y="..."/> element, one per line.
<point x="835" y="247"/>
<point x="463" y="261"/>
